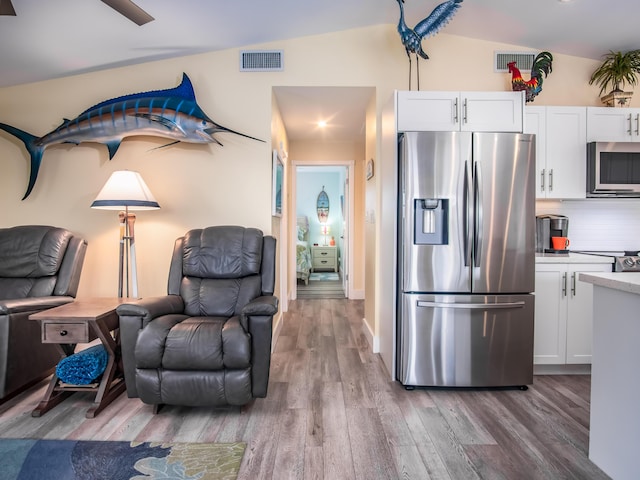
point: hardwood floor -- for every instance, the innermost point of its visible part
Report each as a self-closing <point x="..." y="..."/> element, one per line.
<point x="332" y="413"/>
<point x="320" y="289"/>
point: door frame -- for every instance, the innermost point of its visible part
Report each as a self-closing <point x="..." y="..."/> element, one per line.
<point x="349" y="215"/>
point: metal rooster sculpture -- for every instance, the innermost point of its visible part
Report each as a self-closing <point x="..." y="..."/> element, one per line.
<point x="412" y="38"/>
<point x="541" y="65"/>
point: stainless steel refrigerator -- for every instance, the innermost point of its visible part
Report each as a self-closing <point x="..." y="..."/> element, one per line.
<point x="466" y="261"/>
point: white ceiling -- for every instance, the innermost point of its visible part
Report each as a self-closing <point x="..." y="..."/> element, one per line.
<point x="54" y="38"/>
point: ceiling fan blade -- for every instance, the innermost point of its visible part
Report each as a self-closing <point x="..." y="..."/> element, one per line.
<point x="6" y="8"/>
<point x="130" y="10"/>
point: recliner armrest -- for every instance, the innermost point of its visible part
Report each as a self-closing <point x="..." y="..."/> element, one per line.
<point x="266" y="305"/>
<point x="151" y="307"/>
<point x="257" y="319"/>
<point x="32" y="304"/>
<point x="134" y="316"/>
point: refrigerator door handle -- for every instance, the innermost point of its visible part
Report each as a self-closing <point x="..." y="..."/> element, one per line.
<point x="466" y="205"/>
<point x="478" y="217"/>
<point x="471" y="306"/>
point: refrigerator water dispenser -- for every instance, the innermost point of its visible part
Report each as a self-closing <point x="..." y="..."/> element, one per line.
<point x="430" y="221"/>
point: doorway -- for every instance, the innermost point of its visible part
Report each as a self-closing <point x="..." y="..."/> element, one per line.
<point x="324" y="126"/>
<point x="323" y="230"/>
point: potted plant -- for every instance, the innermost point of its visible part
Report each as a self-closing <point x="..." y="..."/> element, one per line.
<point x="617" y="70"/>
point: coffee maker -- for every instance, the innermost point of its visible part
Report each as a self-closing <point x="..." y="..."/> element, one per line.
<point x="548" y="226"/>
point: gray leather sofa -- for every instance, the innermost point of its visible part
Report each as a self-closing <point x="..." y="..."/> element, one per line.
<point x="208" y="342"/>
<point x="40" y="268"/>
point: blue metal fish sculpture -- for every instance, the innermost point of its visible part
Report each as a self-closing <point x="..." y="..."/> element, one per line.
<point x="172" y="113"/>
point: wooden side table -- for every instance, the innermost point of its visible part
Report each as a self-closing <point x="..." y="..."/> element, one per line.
<point x="82" y="321"/>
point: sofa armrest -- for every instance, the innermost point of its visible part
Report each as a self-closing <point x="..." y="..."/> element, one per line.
<point x="133" y="318"/>
<point x="32" y="304"/>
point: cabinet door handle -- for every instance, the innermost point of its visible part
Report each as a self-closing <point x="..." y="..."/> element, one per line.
<point x="564" y="284"/>
<point x="455" y="111"/>
<point x="464" y="111"/>
<point x="542" y="180"/>
<point x="573" y="284"/>
<point x="551" y="180"/>
<point x="638" y="124"/>
<point x="629" y="131"/>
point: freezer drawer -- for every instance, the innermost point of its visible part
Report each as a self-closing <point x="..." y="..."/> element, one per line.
<point x="465" y="340"/>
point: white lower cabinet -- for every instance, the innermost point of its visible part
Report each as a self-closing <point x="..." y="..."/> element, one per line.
<point x="564" y="313"/>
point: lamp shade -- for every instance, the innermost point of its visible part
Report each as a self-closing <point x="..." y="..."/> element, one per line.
<point x="125" y="188"/>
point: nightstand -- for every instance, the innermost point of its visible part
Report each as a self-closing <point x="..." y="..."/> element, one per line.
<point x="324" y="258"/>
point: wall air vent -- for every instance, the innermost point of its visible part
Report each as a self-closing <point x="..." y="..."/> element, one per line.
<point x="261" y="61"/>
<point x="524" y="61"/>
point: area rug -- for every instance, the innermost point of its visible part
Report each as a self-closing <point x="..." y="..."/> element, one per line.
<point x="27" y="459"/>
<point x="323" y="276"/>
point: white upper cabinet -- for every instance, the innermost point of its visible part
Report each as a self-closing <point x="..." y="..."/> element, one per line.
<point x="608" y="124"/>
<point x="430" y="111"/>
<point x="561" y="150"/>
<point x="535" y="122"/>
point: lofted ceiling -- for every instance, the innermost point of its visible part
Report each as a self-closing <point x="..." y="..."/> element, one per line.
<point x="52" y="39"/>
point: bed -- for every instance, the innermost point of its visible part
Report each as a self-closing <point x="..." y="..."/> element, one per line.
<point x="303" y="250"/>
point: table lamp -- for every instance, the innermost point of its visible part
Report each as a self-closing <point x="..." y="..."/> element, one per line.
<point x="325" y="231"/>
<point x="126" y="190"/>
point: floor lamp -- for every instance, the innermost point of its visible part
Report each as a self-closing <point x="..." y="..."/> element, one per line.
<point x="126" y="190"/>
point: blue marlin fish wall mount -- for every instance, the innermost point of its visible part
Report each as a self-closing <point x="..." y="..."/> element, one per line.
<point x="172" y="113"/>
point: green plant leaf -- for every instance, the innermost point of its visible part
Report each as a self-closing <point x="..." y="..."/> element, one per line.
<point x="618" y="69"/>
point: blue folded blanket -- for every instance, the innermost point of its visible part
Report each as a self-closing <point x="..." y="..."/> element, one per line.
<point x="83" y="367"/>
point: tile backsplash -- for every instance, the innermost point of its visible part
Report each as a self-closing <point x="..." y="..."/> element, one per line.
<point x="598" y="224"/>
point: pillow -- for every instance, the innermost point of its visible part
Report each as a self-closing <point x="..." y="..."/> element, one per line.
<point x="302" y="231"/>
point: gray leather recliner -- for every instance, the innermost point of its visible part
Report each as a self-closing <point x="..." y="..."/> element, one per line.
<point x="208" y="342"/>
<point x="40" y="268"/>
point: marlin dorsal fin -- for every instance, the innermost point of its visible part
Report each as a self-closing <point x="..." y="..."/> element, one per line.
<point x="184" y="90"/>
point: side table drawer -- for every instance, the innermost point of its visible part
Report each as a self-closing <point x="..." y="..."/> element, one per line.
<point x="56" y="332"/>
<point x="324" y="263"/>
<point x="323" y="252"/>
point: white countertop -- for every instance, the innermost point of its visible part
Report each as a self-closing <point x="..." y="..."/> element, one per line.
<point x="571" y="258"/>
<point x="623" y="281"/>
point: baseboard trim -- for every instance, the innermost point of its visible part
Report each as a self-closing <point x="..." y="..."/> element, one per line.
<point x="277" y="327"/>
<point x="562" y="369"/>
<point x="356" y="294"/>
<point x="374" y="342"/>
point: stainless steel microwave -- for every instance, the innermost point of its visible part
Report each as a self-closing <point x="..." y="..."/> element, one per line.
<point x="613" y="169"/>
